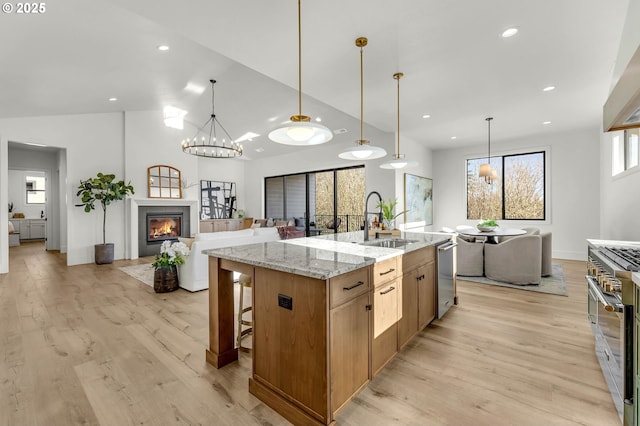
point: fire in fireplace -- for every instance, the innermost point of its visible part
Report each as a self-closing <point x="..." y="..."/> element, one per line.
<point x="163" y="226"/>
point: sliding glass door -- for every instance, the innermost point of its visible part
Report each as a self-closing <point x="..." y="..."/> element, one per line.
<point x="319" y="202"/>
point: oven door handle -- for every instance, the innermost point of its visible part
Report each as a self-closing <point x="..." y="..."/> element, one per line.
<point x="593" y="285"/>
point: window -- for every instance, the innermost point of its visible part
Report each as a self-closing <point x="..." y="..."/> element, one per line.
<point x="625" y="151"/>
<point x="517" y="194"/>
<point x="318" y="200"/>
<point x="36" y="189"/>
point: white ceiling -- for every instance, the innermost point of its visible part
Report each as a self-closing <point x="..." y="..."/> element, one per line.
<point x="457" y="68"/>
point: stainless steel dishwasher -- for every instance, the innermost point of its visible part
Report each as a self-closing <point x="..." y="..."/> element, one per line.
<point x="446" y="276"/>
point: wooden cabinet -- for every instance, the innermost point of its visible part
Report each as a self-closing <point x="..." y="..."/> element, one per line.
<point x="408" y="307"/>
<point x="349" y="349"/>
<point x="426" y="295"/>
<point x="30" y="229"/>
<point x="220" y="225"/>
<point x="313" y="349"/>
<point x="387" y="291"/>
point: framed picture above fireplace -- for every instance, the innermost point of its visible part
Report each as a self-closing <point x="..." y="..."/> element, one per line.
<point x="164" y="182"/>
<point x="217" y="199"/>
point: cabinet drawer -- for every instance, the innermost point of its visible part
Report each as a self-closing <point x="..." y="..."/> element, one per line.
<point x="347" y="286"/>
<point x="416" y="258"/>
<point x="385" y="271"/>
<point x="385" y="307"/>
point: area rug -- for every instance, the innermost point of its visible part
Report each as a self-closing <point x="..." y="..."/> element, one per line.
<point x="553" y="284"/>
<point x="143" y="272"/>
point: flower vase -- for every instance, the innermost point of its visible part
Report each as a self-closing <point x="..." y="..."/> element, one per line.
<point x="389" y="224"/>
<point x="165" y="279"/>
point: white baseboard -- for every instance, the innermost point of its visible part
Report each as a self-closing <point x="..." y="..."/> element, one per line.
<point x="570" y="255"/>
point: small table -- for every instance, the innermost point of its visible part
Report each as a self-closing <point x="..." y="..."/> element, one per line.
<point x="491" y="236"/>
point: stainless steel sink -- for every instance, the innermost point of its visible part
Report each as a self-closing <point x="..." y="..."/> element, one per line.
<point x="389" y="242"/>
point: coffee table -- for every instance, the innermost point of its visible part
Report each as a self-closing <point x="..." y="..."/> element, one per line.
<point x="491" y="236"/>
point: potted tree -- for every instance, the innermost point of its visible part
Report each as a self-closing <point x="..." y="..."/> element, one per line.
<point x="105" y="190"/>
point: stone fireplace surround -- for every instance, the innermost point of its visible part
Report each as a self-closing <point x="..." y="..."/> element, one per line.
<point x="133" y="219"/>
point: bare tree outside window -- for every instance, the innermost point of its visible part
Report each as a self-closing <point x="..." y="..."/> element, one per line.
<point x="518" y="193"/>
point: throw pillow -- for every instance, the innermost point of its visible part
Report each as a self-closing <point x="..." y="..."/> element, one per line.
<point x="255" y="225"/>
<point x="261" y="222"/>
<point x="281" y="223"/>
<point x="270" y="222"/>
<point x="11" y="228"/>
<point x="187" y="241"/>
<point x="300" y="222"/>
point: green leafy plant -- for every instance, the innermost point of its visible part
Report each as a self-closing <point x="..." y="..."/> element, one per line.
<point x="104" y="190"/>
<point x="487" y="223"/>
<point x="171" y="254"/>
<point x="388" y="208"/>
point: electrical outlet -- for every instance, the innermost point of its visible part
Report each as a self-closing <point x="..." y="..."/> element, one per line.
<point x="285" y="301"/>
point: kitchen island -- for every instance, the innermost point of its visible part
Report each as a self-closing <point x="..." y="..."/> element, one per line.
<point x="329" y="312"/>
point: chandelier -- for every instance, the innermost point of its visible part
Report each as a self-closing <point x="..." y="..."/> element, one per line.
<point x="206" y="142"/>
<point x="300" y="131"/>
<point x="363" y="149"/>
<point x="486" y="171"/>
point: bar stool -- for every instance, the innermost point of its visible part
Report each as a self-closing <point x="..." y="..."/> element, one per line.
<point x="245" y="282"/>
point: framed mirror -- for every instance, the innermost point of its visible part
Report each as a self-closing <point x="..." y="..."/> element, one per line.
<point x="217" y="199"/>
<point x="164" y="182"/>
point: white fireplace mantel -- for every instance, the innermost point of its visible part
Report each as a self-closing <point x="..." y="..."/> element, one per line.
<point x="131" y="249"/>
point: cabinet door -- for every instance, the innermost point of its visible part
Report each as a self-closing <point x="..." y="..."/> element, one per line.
<point x="219" y="225"/>
<point x="408" y="306"/>
<point x="427" y="296"/>
<point x="349" y="349"/>
<point x="385" y="326"/>
<point x="37" y="229"/>
<point x="233" y="224"/>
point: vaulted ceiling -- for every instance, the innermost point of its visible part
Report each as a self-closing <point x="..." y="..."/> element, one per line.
<point x="458" y="69"/>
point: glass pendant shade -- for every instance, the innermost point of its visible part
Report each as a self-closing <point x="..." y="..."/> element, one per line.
<point x="300" y="131"/>
<point x="363" y="149"/>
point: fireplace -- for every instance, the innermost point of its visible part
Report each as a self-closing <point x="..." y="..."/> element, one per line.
<point x="160" y="223"/>
<point x="163" y="226"/>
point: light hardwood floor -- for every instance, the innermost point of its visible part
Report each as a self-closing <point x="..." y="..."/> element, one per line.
<point x="90" y="345"/>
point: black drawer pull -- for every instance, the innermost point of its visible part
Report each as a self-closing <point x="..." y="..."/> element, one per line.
<point x="387" y="291"/>
<point x="388" y="272"/>
<point x="358" y="284"/>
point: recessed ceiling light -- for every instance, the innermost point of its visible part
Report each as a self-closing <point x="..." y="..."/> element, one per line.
<point x="163" y="48"/>
<point x="454" y="137"/>
<point x="426" y="116"/>
<point x="318" y="119"/>
<point x="549" y="88"/>
<point x="113" y="99"/>
<point x="339" y="131"/>
<point x="546" y="122"/>
<point x="259" y="149"/>
<point x="509" y="32"/>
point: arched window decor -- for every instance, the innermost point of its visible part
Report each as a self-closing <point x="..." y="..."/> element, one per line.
<point x="164" y="182"/>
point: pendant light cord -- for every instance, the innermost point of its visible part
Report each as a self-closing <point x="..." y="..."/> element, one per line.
<point x="299" y="61"/>
<point x="361" y="96"/>
<point x="398" y="80"/>
<point x="489" y="139"/>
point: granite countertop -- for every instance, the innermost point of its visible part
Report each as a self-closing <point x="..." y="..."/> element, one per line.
<point x="324" y="256"/>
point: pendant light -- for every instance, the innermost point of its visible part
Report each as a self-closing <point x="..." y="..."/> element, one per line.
<point x="300" y="131"/>
<point x="207" y="144"/>
<point x="363" y="149"/>
<point x="398" y="161"/>
<point x="486" y="171"/>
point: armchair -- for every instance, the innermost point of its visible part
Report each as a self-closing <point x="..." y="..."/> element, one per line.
<point x="516" y="261"/>
<point x="469" y="257"/>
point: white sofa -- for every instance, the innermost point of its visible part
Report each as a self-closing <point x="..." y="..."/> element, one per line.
<point x="194" y="273"/>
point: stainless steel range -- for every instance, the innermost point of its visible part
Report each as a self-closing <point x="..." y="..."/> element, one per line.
<point x="611" y="313"/>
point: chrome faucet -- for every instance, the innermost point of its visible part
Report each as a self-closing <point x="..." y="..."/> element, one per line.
<point x="366" y="213"/>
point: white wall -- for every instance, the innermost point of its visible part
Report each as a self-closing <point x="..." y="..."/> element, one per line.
<point x="574" y="187"/>
<point x="94" y="142"/>
<point x="619" y="202"/>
